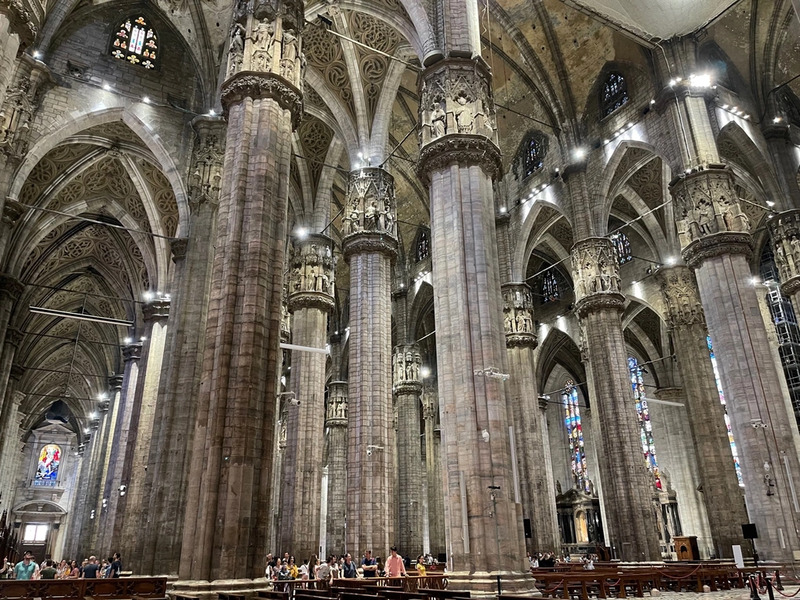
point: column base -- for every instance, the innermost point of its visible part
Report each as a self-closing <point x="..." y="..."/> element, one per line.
<point x="483" y="584"/>
<point x="208" y="590"/>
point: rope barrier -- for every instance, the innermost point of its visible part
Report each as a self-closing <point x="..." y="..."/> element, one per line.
<point x="797" y="591"/>
<point x="682" y="576"/>
<point x="550" y="591"/>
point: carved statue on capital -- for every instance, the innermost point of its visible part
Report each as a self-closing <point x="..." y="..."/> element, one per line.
<point x="406" y="368"/>
<point x="430" y="406"/>
<point x="207" y="160"/>
<point x="21" y="102"/>
<point x="12" y="211"/>
<point x="595" y="272"/>
<point x="370" y="206"/>
<point x="785" y="232"/>
<point x="707" y="203"/>
<point x="336" y="413"/>
<point x="681" y="296"/>
<point x="311" y="268"/>
<point x="518" y="315"/>
<point x="156" y="310"/>
<point x="286" y="317"/>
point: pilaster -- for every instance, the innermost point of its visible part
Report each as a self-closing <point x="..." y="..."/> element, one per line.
<point x="311" y="289"/>
<point x="433" y="466"/>
<point x="627" y="485"/>
<point x="723" y="498"/>
<point x="536" y="490"/>
<point x="336" y="424"/>
<point x="369" y="246"/>
<point x="406" y="365"/>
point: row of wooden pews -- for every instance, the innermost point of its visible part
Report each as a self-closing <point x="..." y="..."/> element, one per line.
<point x="124" y="588"/>
<point x="432" y="587"/>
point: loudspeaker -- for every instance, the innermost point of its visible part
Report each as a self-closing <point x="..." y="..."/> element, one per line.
<point x="526" y="523"/>
<point x="749" y="531"/>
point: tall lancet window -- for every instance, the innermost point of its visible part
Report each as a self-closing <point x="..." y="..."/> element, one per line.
<point x="731" y="440"/>
<point x="645" y="426"/>
<point x="614" y="94"/>
<point x="572" y="420"/>
<point x="550" y="292"/>
<point x="135" y="41"/>
<point x="622" y="248"/>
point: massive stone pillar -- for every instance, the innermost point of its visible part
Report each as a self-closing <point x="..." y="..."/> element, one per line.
<point x="8" y="351"/>
<point x="230" y="476"/>
<point x="170" y="452"/>
<point x="407" y="363"/>
<point x="536" y="490"/>
<point x="111" y="407"/>
<point x="10" y="291"/>
<point x="336" y="424"/>
<point x="9" y="435"/>
<point x="458" y="160"/>
<point x="433" y="472"/>
<point x="628" y="487"/>
<point x="721" y="492"/>
<point x="369" y="246"/>
<point x="716" y="243"/>
<point x="311" y="269"/>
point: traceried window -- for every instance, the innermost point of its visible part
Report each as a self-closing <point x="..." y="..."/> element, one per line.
<point x="731" y="440"/>
<point x="614" y="94"/>
<point x="34" y="533"/>
<point x="622" y="248"/>
<point x="423" y="246"/>
<point x="49" y="461"/>
<point x="135" y="41"/>
<point x="645" y="426"/>
<point x="550" y="291"/>
<point x="534" y="155"/>
<point x="572" y="421"/>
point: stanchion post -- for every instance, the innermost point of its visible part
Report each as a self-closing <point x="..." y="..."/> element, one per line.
<point x="753" y="587"/>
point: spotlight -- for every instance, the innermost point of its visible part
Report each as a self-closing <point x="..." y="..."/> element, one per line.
<point x="148" y="296"/>
<point x="579" y="153"/>
<point x="301" y="233"/>
<point x="106" y="87"/>
<point x="502" y="210"/>
<point x="700" y="80"/>
<point x="128" y="340"/>
<point x="37" y="54"/>
<point x="146" y="99"/>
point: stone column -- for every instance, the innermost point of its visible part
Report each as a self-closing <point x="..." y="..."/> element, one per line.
<point x="112" y="408"/>
<point x="369" y="246"/>
<point x="311" y="291"/>
<point x="628" y="487"/>
<point x="9" y="439"/>
<point x="721" y="490"/>
<point x="458" y="160"/>
<point x="784" y="230"/>
<point x="170" y="452"/>
<point x="536" y="490"/>
<point x="336" y="424"/>
<point x="406" y="363"/>
<point x="10" y="291"/>
<point x="433" y="471"/>
<point x="230" y="476"/>
<point x="8" y="351"/>
<point x="715" y="240"/>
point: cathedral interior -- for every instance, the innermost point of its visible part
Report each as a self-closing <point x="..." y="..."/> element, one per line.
<point x="474" y="278"/>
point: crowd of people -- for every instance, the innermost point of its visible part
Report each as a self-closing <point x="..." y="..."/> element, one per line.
<point x="549" y="560"/>
<point x="344" y="567"/>
<point x="90" y="568"/>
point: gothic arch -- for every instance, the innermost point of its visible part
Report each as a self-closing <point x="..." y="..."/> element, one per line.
<point x="739" y="147"/>
<point x="559" y="348"/>
<point x="528" y="239"/>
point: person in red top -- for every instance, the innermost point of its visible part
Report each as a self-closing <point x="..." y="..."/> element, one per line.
<point x="394" y="564"/>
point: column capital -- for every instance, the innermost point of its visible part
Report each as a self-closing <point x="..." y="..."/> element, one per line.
<point x="11" y="287"/>
<point x="784" y="230"/>
<point x="12" y="211"/>
<point x="681" y="296"/>
<point x="595" y="272"/>
<point x="132" y="352"/>
<point x="458" y="119"/>
<point x="336" y="413"/>
<point x="370" y="213"/>
<point x="311" y="277"/>
<point x="710" y="221"/>
<point x="156" y="310"/>
<point x="115" y="383"/>
<point x="518" y="315"/>
<point x="406" y="367"/>
<point x="178" y="247"/>
<point x="543" y="402"/>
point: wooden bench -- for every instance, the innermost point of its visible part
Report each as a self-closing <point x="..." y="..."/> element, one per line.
<point x="125" y="588"/>
<point x="273" y="594"/>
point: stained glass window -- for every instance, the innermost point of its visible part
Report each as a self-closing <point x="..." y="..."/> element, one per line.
<point x="49" y="461"/>
<point x="423" y="249"/>
<point x="572" y="421"/>
<point x="727" y="418"/>
<point x="550" y="291"/>
<point x="534" y="153"/>
<point x="622" y="248"/>
<point x="135" y="41"/>
<point x="645" y="426"/>
<point x="614" y="93"/>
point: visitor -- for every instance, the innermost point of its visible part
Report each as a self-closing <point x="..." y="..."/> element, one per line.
<point x="324" y="570"/>
<point x="75" y="571"/>
<point x="294" y="572"/>
<point x="49" y="571"/>
<point x="304" y="570"/>
<point x="63" y="569"/>
<point x="91" y="568"/>
<point x="115" y="571"/>
<point x="43" y="564"/>
<point x="334" y="563"/>
<point x="5" y="572"/>
<point x="26" y="568"/>
<point x="588" y="563"/>
<point x="395" y="567"/>
<point x="421" y="570"/>
<point x="349" y="567"/>
<point x="369" y="565"/>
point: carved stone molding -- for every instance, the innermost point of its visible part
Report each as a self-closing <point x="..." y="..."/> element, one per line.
<point x="370" y="205"/>
<point x="115" y="383"/>
<point x="178" y="247"/>
<point x="543" y="402"/>
<point x="16" y="372"/>
<point x="311" y="273"/>
<point x="596" y="275"/>
<point x="466" y="150"/>
<point x="132" y="352"/>
<point x="430" y="407"/>
<point x="518" y="315"/>
<point x="406" y="367"/>
<point x="21" y="101"/>
<point x="11" y="287"/>
<point x="156" y="310"/>
<point x="706" y="203"/>
<point x="12" y="211"/>
<point x="205" y="173"/>
<point x="784" y="230"/>
<point x="22" y="21"/>
<point x="718" y="244"/>
<point x="336" y="414"/>
<point x="14" y="337"/>
<point x="247" y="84"/>
<point x="286" y="317"/>
<point x="681" y="297"/>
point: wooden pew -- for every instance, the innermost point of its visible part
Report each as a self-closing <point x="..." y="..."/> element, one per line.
<point x="125" y="588"/>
